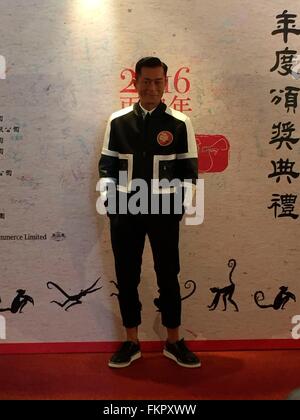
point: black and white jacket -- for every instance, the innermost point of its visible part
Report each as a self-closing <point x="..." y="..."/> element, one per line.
<point x="160" y="147"/>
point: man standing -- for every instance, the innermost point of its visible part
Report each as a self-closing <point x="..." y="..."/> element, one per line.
<point x="149" y="141"/>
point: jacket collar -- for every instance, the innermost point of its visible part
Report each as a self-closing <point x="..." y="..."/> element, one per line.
<point x="159" y="110"/>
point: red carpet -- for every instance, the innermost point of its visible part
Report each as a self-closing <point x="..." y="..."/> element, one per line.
<point x="223" y="375"/>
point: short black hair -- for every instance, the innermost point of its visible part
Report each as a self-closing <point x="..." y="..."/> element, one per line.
<point x="149" y="62"/>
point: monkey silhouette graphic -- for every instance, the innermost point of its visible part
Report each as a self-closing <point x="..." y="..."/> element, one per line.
<point x="73" y="299"/>
<point x="280" y="300"/>
<point x="226" y="292"/>
<point x="187" y="285"/>
<point x="19" y="302"/>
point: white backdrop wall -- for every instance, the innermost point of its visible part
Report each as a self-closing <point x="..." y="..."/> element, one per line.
<point x="61" y="77"/>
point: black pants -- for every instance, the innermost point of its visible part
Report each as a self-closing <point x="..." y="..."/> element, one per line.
<point x="128" y="234"/>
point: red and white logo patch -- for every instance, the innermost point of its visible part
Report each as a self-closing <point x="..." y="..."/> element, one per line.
<point x="164" y="138"/>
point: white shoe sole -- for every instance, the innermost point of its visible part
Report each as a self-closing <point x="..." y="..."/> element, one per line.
<point x="122" y="365"/>
<point x="172" y="357"/>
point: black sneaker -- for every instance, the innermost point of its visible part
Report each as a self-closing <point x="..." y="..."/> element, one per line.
<point x="127" y="353"/>
<point x="181" y="354"/>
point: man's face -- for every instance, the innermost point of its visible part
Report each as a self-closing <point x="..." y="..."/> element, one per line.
<point x="150" y="85"/>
